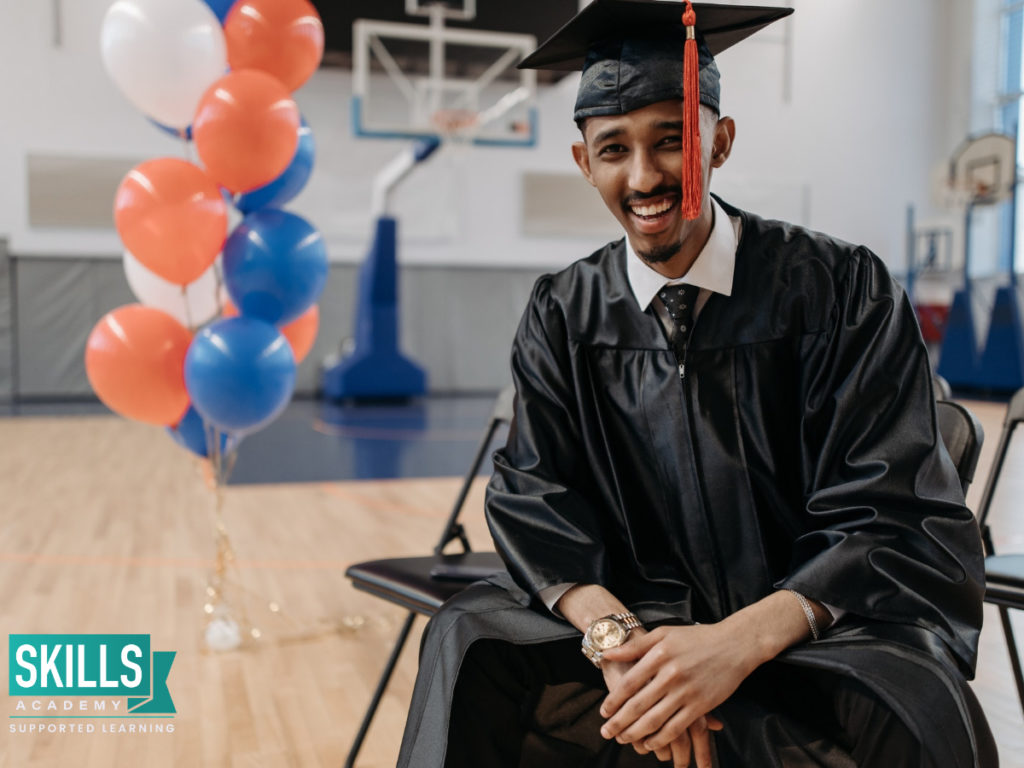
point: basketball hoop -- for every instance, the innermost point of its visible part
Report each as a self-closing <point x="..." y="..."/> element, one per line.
<point x="455" y="123"/>
<point x="983" y="170"/>
<point x="473" y="106"/>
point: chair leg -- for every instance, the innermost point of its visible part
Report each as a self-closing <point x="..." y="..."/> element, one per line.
<point x="382" y="684"/>
<point x="1011" y="646"/>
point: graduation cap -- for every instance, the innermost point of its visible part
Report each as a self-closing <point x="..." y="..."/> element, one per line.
<point x="638" y="52"/>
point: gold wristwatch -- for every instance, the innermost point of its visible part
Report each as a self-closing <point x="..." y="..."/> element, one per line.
<point x="607" y="632"/>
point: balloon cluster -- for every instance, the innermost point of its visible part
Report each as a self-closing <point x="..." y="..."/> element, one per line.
<point x="218" y="73"/>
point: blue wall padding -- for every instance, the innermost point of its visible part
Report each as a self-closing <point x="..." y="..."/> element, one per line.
<point x="958" y="360"/>
<point x="1002" y="362"/>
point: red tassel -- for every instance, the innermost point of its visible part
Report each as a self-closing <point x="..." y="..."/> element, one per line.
<point x="691" y="177"/>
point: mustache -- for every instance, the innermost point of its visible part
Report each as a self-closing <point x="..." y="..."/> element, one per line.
<point x="637" y="197"/>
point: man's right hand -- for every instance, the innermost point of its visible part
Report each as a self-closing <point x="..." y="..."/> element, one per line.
<point x="696" y="739"/>
<point x="583" y="603"/>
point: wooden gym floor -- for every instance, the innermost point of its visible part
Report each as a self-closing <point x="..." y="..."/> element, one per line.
<point x="106" y="527"/>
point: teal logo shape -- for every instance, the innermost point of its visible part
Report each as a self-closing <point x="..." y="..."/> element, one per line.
<point x="91" y="665"/>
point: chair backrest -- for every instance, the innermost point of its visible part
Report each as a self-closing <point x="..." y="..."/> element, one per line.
<point x="962" y="435"/>
<point x="500" y="416"/>
<point x="503" y="405"/>
<point x="1014" y="416"/>
<point x="941" y="388"/>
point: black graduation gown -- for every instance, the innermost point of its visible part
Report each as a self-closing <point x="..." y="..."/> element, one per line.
<point x="800" y="451"/>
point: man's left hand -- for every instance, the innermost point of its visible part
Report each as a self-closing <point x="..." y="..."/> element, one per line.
<point x="680" y="675"/>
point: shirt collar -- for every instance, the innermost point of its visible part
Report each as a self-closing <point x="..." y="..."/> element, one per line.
<point x="712" y="270"/>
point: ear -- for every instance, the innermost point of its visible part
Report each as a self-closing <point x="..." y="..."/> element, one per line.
<point x="721" y="148"/>
<point x="582" y="158"/>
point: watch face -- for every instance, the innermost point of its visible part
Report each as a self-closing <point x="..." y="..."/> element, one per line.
<point x="606" y="633"/>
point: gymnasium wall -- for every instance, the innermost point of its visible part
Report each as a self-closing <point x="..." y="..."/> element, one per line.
<point x="843" y="118"/>
<point x="464" y="344"/>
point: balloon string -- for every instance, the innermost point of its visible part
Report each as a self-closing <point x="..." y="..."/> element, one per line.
<point x="188" y="310"/>
<point x="218" y="279"/>
<point x="226" y="562"/>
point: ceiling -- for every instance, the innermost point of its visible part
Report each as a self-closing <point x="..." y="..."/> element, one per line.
<point x="540" y="18"/>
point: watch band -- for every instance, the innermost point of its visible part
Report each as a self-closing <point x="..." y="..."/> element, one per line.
<point x="591" y="653"/>
<point x="628" y="619"/>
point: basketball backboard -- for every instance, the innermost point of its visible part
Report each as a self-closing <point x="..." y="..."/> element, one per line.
<point x="984" y="169"/>
<point x="409" y="80"/>
<point x="462" y="10"/>
<point x="495" y="106"/>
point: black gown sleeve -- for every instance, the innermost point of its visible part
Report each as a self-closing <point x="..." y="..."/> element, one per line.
<point x="886" y="532"/>
<point x="543" y="526"/>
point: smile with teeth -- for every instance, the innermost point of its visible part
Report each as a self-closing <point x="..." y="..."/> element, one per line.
<point x="651" y="210"/>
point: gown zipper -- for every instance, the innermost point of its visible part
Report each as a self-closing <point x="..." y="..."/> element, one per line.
<point x="688" y="405"/>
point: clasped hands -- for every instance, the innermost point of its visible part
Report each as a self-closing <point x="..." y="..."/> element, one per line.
<point x="663" y="684"/>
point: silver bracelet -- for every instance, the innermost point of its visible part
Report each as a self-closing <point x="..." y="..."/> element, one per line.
<point x="808" y="612"/>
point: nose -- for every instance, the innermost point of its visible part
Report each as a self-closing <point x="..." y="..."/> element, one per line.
<point x="644" y="173"/>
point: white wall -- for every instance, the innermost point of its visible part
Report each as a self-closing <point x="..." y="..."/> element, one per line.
<point x="865" y="123"/>
<point x="878" y="98"/>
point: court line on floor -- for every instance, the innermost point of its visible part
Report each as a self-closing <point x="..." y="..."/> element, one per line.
<point x="414" y="435"/>
<point x="366" y="501"/>
<point x="38" y="558"/>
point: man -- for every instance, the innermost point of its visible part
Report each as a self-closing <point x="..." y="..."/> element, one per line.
<point x="724" y="472"/>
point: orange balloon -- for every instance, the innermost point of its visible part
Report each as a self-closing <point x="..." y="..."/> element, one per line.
<point x="300" y="332"/>
<point x="246" y="130"/>
<point x="172" y="217"/>
<point x="282" y="37"/>
<point x="135" y="360"/>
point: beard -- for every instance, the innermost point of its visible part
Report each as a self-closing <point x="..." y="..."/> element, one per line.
<point x="661" y="253"/>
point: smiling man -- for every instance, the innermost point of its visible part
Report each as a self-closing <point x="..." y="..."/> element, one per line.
<point x="733" y="535"/>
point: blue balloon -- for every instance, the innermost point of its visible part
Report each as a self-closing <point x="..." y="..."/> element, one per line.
<point x="288" y="184"/>
<point x="178" y="133"/>
<point x="240" y="373"/>
<point x="190" y="433"/>
<point x="220" y="8"/>
<point x="275" y="266"/>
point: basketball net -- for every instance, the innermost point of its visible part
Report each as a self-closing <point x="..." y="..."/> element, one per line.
<point x="457" y="126"/>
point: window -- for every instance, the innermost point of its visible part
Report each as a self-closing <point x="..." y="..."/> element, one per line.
<point x="1010" y="114"/>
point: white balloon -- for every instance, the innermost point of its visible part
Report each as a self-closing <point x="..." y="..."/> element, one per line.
<point x="223" y="634"/>
<point x="197" y="306"/>
<point x="163" y="55"/>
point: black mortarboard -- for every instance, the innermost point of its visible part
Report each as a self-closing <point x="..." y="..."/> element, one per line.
<point x="632" y="54"/>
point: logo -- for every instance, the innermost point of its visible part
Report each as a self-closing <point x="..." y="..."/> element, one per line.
<point x="71" y="677"/>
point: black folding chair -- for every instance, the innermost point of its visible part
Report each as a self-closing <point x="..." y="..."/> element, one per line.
<point x="1004" y="574"/>
<point x="941" y="387"/>
<point x="422" y="584"/>
<point x="962" y="435"/>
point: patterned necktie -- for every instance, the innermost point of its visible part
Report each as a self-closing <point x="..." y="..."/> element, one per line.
<point x="679" y="300"/>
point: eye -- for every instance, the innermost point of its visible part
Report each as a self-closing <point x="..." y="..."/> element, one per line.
<point x="671" y="142"/>
<point x="611" y="150"/>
